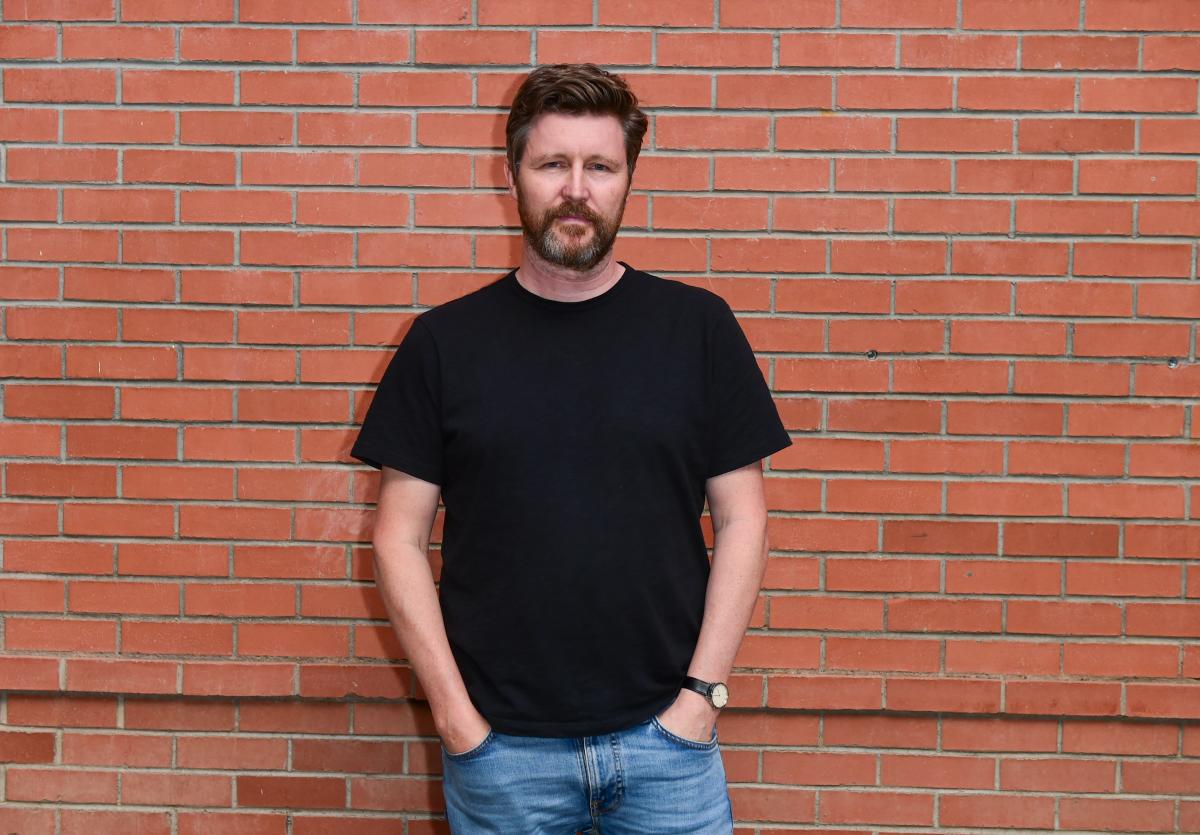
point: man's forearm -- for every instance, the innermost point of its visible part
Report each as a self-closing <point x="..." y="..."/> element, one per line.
<point x="403" y="577"/>
<point x="739" y="560"/>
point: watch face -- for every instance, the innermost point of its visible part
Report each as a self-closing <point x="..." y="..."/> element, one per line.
<point x="719" y="695"/>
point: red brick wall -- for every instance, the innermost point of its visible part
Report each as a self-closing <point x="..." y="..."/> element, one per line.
<point x="960" y="234"/>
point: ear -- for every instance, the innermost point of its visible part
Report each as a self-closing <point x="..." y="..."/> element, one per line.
<point x="510" y="177"/>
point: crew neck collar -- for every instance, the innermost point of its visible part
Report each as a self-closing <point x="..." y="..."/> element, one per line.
<point x="618" y="287"/>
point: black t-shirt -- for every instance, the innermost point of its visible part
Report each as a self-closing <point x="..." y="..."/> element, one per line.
<point x="571" y="441"/>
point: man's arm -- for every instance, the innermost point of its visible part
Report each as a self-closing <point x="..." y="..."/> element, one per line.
<point x="739" y="517"/>
<point x="403" y="520"/>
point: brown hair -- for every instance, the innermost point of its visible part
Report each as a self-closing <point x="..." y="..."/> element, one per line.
<point x="574" y="89"/>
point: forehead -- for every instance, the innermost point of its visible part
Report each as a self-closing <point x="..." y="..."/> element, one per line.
<point x="584" y="135"/>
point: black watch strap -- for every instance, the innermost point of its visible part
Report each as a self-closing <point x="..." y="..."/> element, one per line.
<point x="716" y="692"/>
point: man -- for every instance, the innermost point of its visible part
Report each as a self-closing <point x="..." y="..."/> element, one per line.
<point x="573" y="416"/>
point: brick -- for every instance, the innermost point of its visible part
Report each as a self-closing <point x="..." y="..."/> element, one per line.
<point x="317" y="46"/>
<point x="941" y="615"/>
<point x="952" y="296"/>
<point x="1076" y="698"/>
<point x="178" y="166"/>
<point x="894" y="92"/>
<point x="882" y="654"/>
<point x="1099" y="737"/>
<point x="177" y="86"/>
<point x="28" y="124"/>
<point x="1129" y="15"/>
<point x="889" y="257"/>
<point x="951" y="216"/>
<point x="1132" y="419"/>
<point x="78" y="10"/>
<point x="932" y="376"/>
<point x="1161" y="701"/>
<point x="818" y="769"/>
<point x="1015" y="93"/>
<point x="450" y="12"/>
<point x="1065" y="775"/>
<point x="830" y="375"/>
<point x="718" y="49"/>
<point x="1117" y="814"/>
<point x="825" y="692"/>
<point x="673" y="89"/>
<point x="1011" y="498"/>
<point x="813" y="49"/>
<point x="1038" y="377"/>
<point x="50" y="164"/>
<point x="959" y="51"/>
<point x="1136" y="260"/>
<point x="891" y="416"/>
<point x="833" y="133"/>
<point x="203" y="127"/>
<point x="997" y="734"/>
<point x="708" y="132"/>
<point x="936" y="457"/>
<point x="917" y="14"/>
<point x="898" y="336"/>
<point x="841" y="535"/>
<point x="1163" y="619"/>
<point x="1020" y="14"/>
<point x="1020" y="658"/>
<point x="1013" y="176"/>
<point x="235" y="44"/>
<point x="1074" y="298"/>
<point x="1071" y="52"/>
<point x="996" y="811"/>
<point x="835" y="214"/>
<point x="391" y="130"/>
<point x="943" y="694"/>
<point x="777" y="91"/>
<point x="1169" y="219"/>
<point x="104" y="676"/>
<point x="1074" y="217"/>
<point x="60" y="84"/>
<point x="749" y="173"/>
<point x="1161" y="540"/>
<point x="999" y="337"/>
<point x="1075" y="136"/>
<point x="1121" y="661"/>
<point x="408" y="88"/>
<point x="953" y="134"/>
<point x="281" y="11"/>
<point x="1041" y="539"/>
<point x="892" y="175"/>
<point x="133" y="206"/>
<point x="1138" y="95"/>
<point x="882" y="496"/>
<point x="1126" y="501"/>
<point x="1008" y="258"/>
<point x="826" y="613"/>
<point x="805" y="14"/>
<point x="1141" y="176"/>
<point x="768" y="255"/>
<point x="611" y="48"/>
<point x="170" y="638"/>
<point x="98" y="43"/>
<point x="1170" y="52"/>
<point x="470" y="48"/>
<point x="989" y="577"/>
<point x="231" y="823"/>
<point x="296" y="87"/>
<point x="939" y="537"/>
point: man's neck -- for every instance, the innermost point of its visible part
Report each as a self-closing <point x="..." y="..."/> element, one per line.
<point x="561" y="284"/>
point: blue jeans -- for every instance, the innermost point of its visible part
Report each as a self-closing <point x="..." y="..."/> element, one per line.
<point x="643" y="779"/>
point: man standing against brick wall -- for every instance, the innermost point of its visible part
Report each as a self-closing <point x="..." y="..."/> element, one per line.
<point x="574" y="416"/>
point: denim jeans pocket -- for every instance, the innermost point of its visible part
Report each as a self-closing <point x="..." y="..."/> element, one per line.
<point x="471" y="753"/>
<point x="684" y="741"/>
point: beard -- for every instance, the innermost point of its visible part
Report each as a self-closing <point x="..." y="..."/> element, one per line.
<point x="568" y="245"/>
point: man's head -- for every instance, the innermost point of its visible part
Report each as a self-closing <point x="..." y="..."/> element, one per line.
<point x="573" y="137"/>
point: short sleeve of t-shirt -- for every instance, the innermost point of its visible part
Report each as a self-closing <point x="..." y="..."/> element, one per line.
<point x="744" y="423"/>
<point x="402" y="429"/>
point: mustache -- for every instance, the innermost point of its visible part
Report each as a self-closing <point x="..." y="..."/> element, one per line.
<point x="574" y="209"/>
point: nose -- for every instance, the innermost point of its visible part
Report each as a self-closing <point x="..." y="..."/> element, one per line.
<point x="575" y="186"/>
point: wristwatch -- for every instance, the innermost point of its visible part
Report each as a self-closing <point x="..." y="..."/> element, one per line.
<point x="717" y="693"/>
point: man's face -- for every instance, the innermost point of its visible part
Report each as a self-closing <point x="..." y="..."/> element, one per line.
<point x="571" y="186"/>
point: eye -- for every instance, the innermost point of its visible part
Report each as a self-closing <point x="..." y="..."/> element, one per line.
<point x="553" y="164"/>
<point x="601" y="166"/>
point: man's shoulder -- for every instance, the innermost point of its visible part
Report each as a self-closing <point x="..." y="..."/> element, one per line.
<point x="465" y="309"/>
<point x="688" y="292"/>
